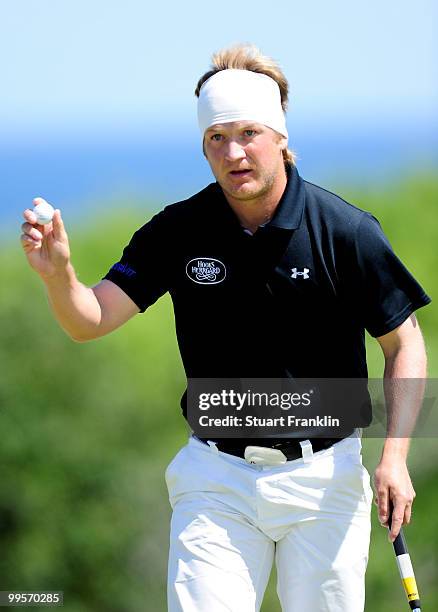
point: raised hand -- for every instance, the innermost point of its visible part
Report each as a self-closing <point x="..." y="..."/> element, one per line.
<point x="45" y="246"/>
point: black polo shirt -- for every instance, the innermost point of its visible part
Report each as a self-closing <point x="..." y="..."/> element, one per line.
<point x="292" y="300"/>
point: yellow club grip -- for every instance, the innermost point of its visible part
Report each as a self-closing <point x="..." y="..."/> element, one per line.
<point x="411" y="588"/>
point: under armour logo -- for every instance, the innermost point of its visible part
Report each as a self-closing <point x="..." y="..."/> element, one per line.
<point x="304" y="273"/>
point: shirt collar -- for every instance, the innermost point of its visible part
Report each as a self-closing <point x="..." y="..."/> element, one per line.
<point x="289" y="212"/>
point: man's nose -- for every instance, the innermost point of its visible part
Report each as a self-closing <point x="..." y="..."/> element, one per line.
<point x="234" y="151"/>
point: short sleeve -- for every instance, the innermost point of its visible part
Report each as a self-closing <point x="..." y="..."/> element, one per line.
<point x="141" y="271"/>
<point x="387" y="293"/>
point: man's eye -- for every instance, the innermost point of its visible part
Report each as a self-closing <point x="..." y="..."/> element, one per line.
<point x="250" y="132"/>
<point x="216" y="137"/>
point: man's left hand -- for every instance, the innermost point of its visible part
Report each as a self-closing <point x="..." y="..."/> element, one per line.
<point x="392" y="485"/>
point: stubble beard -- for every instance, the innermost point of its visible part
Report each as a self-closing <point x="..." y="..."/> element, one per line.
<point x="267" y="183"/>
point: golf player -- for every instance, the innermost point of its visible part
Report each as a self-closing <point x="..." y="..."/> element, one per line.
<point x="270" y="276"/>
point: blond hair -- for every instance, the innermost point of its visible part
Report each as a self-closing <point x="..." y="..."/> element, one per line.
<point x="249" y="57"/>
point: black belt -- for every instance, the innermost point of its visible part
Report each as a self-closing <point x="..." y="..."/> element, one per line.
<point x="290" y="448"/>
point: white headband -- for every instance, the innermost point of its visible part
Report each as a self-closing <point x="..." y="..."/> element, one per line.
<point x="240" y="95"/>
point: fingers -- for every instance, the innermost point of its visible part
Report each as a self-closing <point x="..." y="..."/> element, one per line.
<point x="31" y="238"/>
<point x="397" y="521"/>
<point x="408" y="514"/>
<point x="394" y="492"/>
<point x="29" y="243"/>
<point x="59" y="232"/>
<point x="408" y="506"/>
<point x="32" y="232"/>
<point x="401" y="513"/>
<point x="383" y="505"/>
<point x="30" y="216"/>
<point x="57" y="225"/>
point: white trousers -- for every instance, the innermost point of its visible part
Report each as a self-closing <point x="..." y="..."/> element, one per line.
<point x="231" y="519"/>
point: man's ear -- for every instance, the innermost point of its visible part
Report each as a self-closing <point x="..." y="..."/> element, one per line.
<point x="283" y="143"/>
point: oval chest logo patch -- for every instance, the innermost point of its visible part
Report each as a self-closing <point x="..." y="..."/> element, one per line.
<point x="206" y="270"/>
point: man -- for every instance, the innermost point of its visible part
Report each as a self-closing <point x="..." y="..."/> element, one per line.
<point x="270" y="276"/>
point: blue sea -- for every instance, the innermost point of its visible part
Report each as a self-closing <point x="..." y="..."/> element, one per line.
<point x="86" y="173"/>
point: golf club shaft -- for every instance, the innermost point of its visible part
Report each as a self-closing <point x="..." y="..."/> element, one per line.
<point x="405" y="568"/>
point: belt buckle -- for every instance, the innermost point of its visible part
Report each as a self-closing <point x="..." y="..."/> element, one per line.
<point x="264" y="455"/>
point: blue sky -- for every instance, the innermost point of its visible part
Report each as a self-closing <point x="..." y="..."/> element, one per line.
<point x="105" y="66"/>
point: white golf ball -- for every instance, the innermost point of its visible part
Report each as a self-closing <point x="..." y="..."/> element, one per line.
<point x="44" y="212"/>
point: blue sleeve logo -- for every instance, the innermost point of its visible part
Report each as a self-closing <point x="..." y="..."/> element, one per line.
<point x="124" y="269"/>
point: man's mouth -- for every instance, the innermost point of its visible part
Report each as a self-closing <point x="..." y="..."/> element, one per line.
<point x="240" y="172"/>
